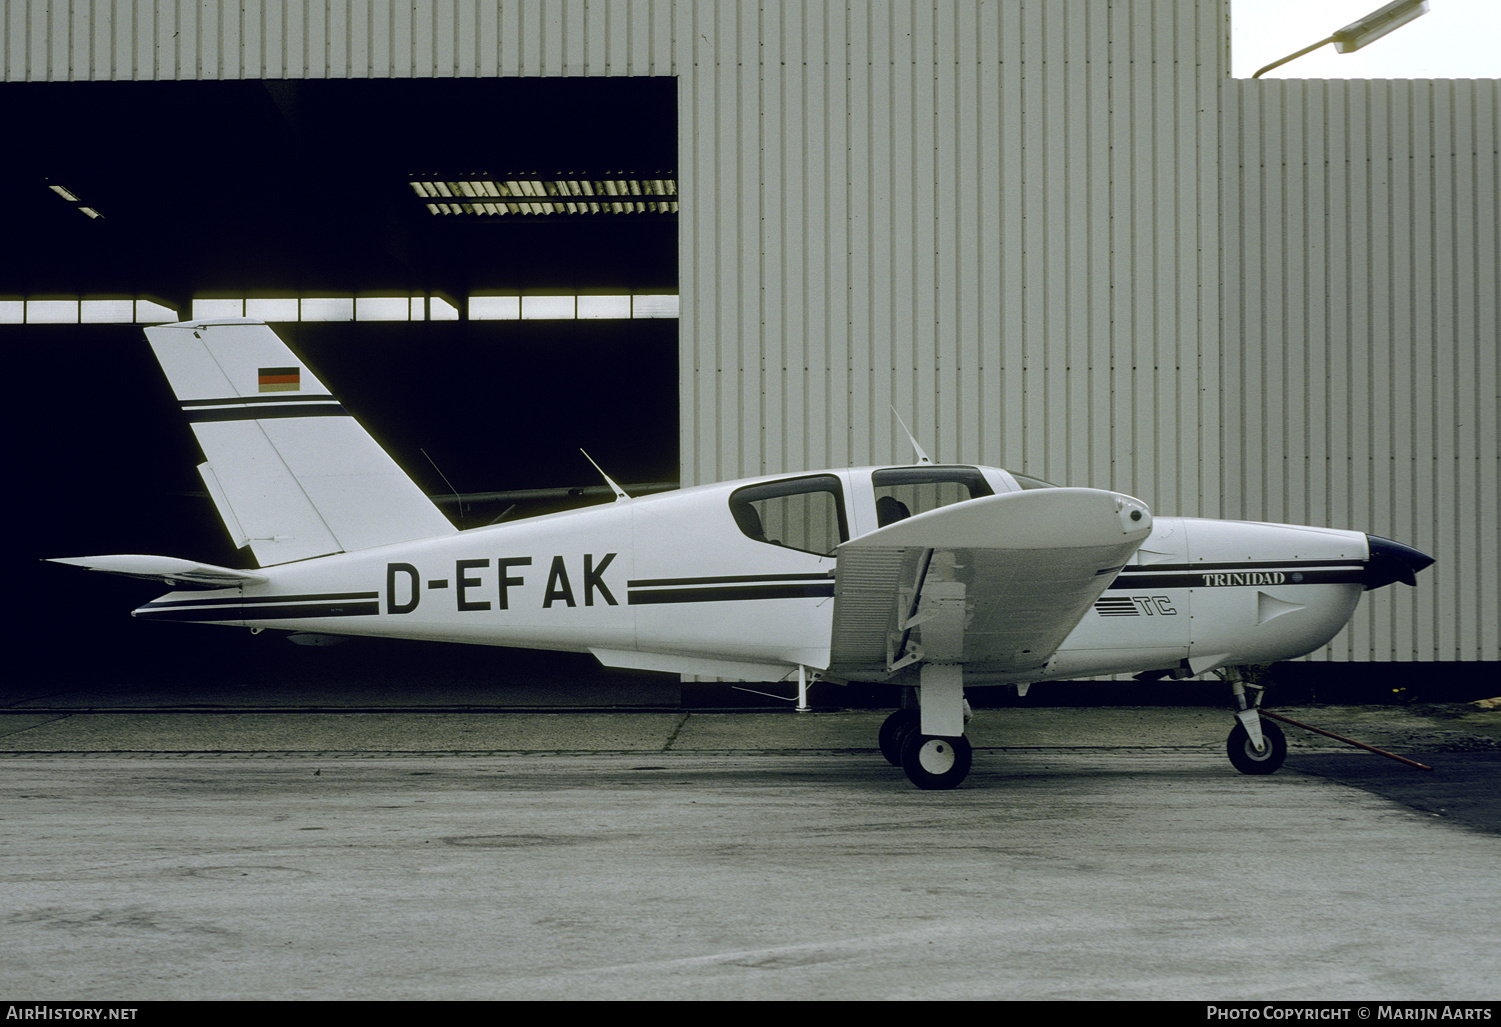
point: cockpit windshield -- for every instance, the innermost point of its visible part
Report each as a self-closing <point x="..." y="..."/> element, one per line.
<point x="1032" y="483"/>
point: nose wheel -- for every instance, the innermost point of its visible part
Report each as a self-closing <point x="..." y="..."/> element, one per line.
<point x="1256" y="745"/>
<point x="1247" y="758"/>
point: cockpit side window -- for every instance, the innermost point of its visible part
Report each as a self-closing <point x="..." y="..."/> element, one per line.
<point x="798" y="513"/>
<point x="904" y="491"/>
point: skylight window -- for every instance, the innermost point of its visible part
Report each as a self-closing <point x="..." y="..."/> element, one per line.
<point x="548" y="308"/>
<point x="76" y="311"/>
<point x="563" y="308"/>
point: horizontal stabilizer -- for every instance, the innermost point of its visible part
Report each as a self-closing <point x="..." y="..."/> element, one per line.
<point x="167" y="569"/>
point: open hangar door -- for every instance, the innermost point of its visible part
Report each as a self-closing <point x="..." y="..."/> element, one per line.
<point x="483" y="342"/>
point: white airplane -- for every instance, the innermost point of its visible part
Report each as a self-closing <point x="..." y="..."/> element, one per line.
<point x="932" y="577"/>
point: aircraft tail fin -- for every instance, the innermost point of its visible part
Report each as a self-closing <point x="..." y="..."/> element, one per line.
<point x="292" y="473"/>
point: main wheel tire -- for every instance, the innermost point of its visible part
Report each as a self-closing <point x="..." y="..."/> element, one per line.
<point x="1247" y="759"/>
<point x="894" y="730"/>
<point x="934" y="763"/>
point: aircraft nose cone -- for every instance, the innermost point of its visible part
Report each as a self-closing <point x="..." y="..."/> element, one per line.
<point x="1392" y="561"/>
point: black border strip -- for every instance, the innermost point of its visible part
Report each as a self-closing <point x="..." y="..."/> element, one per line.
<point x="242" y="413"/>
<point x="230" y="400"/>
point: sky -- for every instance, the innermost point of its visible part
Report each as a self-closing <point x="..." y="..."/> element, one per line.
<point x="1455" y="39"/>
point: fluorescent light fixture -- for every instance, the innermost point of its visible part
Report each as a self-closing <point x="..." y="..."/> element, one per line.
<point x="439" y="309"/>
<point x="488" y="197"/>
<point x="1377" y="24"/>
<point x="72" y="197"/>
<point x="12" y="312"/>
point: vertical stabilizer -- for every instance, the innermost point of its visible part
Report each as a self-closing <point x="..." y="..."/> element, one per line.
<point x="291" y="472"/>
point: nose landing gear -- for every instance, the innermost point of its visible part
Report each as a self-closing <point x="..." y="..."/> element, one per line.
<point x="1256" y="745"/>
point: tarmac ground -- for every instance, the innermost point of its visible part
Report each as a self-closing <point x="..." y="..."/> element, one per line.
<point x="270" y="846"/>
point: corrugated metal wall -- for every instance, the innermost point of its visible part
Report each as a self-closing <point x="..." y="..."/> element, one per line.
<point x="997" y="218"/>
<point x="1361" y="223"/>
<point x="1051" y="233"/>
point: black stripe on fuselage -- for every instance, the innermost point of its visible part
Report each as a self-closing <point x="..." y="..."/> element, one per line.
<point x="728" y="594"/>
<point x="727" y="579"/>
<point x="1239" y="575"/>
<point x="237" y="614"/>
<point x="284" y="607"/>
<point x="311" y="597"/>
<point x="728" y="588"/>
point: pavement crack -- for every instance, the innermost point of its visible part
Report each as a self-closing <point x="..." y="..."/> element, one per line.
<point x="673" y="737"/>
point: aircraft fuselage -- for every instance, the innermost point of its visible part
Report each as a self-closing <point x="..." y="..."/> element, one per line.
<point x="672" y="582"/>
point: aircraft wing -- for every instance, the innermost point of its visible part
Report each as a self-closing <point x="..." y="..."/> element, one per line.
<point x="995" y="583"/>
<point x="167" y="569"/>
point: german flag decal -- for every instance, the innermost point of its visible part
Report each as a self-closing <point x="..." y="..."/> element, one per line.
<point x="280" y="379"/>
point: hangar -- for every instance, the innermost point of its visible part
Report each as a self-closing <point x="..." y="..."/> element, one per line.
<point x="1055" y="235"/>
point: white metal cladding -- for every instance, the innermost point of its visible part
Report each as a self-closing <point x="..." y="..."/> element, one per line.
<point x="1361" y="242"/>
<point x="1051" y="233"/>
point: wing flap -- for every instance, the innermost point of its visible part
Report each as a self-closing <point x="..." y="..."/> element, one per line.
<point x="994" y="583"/>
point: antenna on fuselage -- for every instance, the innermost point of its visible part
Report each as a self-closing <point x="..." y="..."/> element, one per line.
<point x="922" y="458"/>
<point x="619" y="492"/>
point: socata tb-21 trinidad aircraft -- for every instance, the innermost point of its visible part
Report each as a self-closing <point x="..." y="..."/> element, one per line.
<point x="928" y="576"/>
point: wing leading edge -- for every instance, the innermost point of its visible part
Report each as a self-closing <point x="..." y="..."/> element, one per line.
<point x="995" y="584"/>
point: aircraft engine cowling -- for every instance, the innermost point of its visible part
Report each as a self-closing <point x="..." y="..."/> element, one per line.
<point x="1268" y="592"/>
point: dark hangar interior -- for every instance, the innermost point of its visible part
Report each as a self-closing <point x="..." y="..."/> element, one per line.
<point x="439" y="191"/>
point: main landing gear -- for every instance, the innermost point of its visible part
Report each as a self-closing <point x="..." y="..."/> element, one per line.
<point x="1256" y="745"/>
<point x="931" y="762"/>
